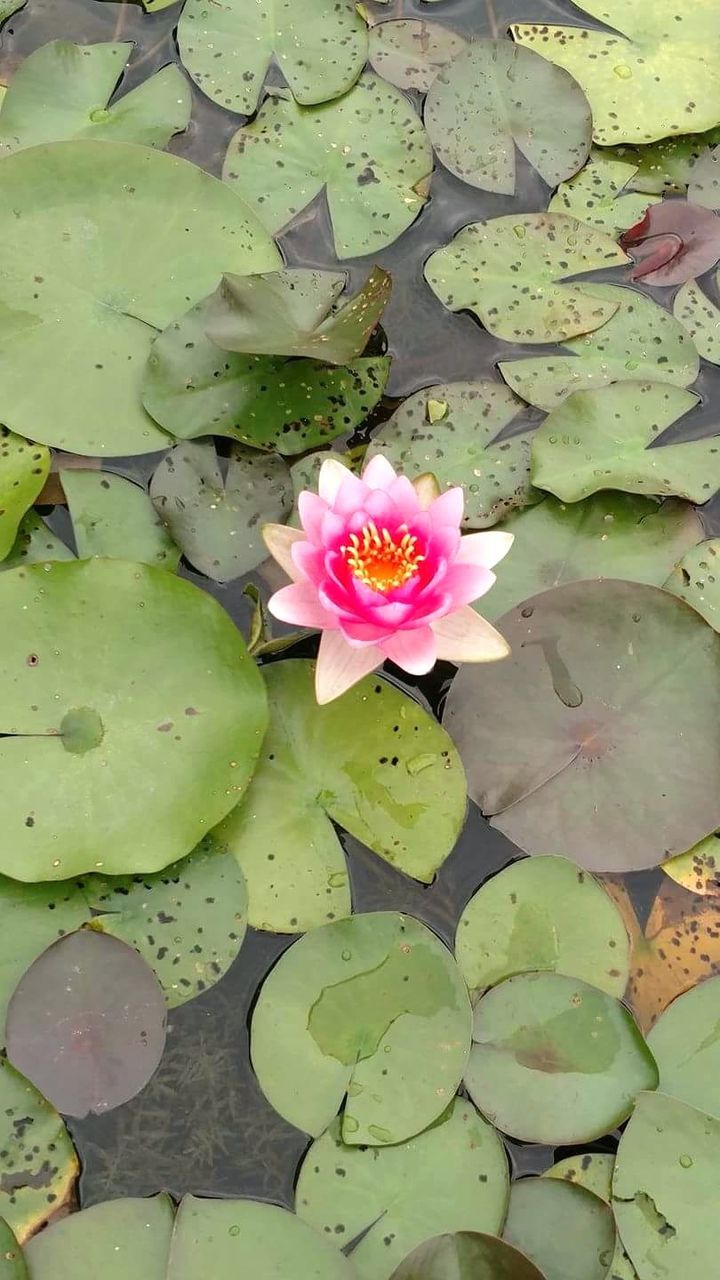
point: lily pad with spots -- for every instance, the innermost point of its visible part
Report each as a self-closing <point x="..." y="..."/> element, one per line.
<point x="593" y="1170"/>
<point x="509" y="272"/>
<point x="374" y="763"/>
<point x="698" y="870"/>
<point x="375" y="180"/>
<point x="696" y="580"/>
<point x="35" y="543"/>
<point x="369" y="1016"/>
<point x="641" y="341"/>
<point x="61" y="91"/>
<point x="451" y="430"/>
<point x="685" y="1042"/>
<point x="562" y="744"/>
<point x="379" y="1204"/>
<point x="665" y="167"/>
<point x="113" y="517"/>
<point x="467" y="1255"/>
<point x="409" y="52"/>
<point x="24" y="468"/>
<point x="9" y="7"/>
<point x="495" y="96"/>
<point x="597" y="194"/>
<point x="34" y="917"/>
<point x="555" y="1060"/>
<point x="701" y="318"/>
<point x="564" y="1228"/>
<point x="38" y="1164"/>
<point x="704" y="184"/>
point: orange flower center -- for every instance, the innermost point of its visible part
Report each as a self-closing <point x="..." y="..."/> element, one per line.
<point x="378" y="560"/>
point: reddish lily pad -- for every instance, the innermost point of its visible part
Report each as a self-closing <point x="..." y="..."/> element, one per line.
<point x="467" y="1255"/>
<point x="673" y="243"/>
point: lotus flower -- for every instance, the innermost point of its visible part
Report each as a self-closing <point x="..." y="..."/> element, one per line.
<point x="380" y="567"/>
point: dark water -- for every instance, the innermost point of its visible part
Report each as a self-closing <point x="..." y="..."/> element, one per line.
<point x="202" y="1125"/>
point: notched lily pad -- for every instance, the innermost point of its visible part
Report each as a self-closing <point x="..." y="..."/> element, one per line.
<point x="35" y="543"/>
<point x="467" y="1255"/>
<point x="113" y="517"/>
<point x="696" y="580"/>
<point x="564" y="1228"/>
<point x="700" y="318"/>
<point x="698" y="870"/>
<point x="38" y="1164"/>
<point x="409" y="52"/>
<point x="597" y="194"/>
<point x="24" y="468"/>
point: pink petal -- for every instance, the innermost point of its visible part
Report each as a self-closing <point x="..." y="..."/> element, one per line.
<point x="485" y="549"/>
<point x="467" y="582"/>
<point x="309" y="562"/>
<point x="311" y="510"/>
<point x="449" y="507"/>
<point x="404" y="496"/>
<point x="332" y="474"/>
<point x="359" y="633"/>
<point x="379" y="474"/>
<point x="339" y="666"/>
<point x="380" y="506"/>
<point x="351" y="495"/>
<point x="463" y="636"/>
<point x="299" y="605"/>
<point x="415" y="651"/>
<point x="279" y="540"/>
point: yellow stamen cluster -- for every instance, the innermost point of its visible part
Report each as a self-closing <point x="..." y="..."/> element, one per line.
<point x="378" y="560"/>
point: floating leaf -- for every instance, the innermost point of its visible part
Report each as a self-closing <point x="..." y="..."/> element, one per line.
<point x="61" y="91"/>
<point x="698" y="870"/>
<point x="696" y="580"/>
<point x="24" y="468"/>
<point x="509" y="272"/>
<point x="12" y="1262"/>
<point x="562" y="743"/>
<point x="495" y="96"/>
<point x="410" y="52"/>
<point x="35" y="543"/>
<point x="217" y="521"/>
<point x="609" y="535"/>
<point x="305" y="474"/>
<point x="685" y="1042"/>
<point x="227" y="48"/>
<point x="115" y="1240"/>
<point x="597" y="196"/>
<point x="156" y="767"/>
<point x="289" y="154"/>
<point x="542" y="914"/>
<point x="593" y="1171"/>
<point x="56" y="277"/>
<point x="666" y="166"/>
<point x="369" y="1014"/>
<point x="565" y="1229"/>
<point x="704" y="184"/>
<point x="555" y="1060"/>
<point x="675" y="241"/>
<point x="467" y="1256"/>
<point x="387" y="1199"/>
<point x="701" y="318"/>
<point x="38" y="1164"/>
<point x="458" y="445"/>
<point x="599" y="440"/>
<point x="34" y="916"/>
<point x="9" y="7"/>
<point x="374" y="763"/>
<point x="86" y="1023"/>
<point x="656" y="77"/>
<point x="642" y="341"/>
<point x="113" y="517"/>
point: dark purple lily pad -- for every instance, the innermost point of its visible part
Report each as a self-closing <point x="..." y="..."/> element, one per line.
<point x="673" y="243"/>
<point x="87" y="1023"/>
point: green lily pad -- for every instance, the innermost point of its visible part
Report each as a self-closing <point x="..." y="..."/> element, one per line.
<point x="685" y="1041"/>
<point x="642" y="341"/>
<point x="701" y="318"/>
<point x="451" y="430"/>
<point x="609" y="535"/>
<point x="9" y="7"/>
<point x="113" y="517"/>
<point x="387" y="1199"/>
<point x="35" y="543"/>
<point x="509" y="272"/>
<point x="555" y="1060"/>
<point x="370" y="1015"/>
<point x="24" y="468"/>
<point x="467" y="1256"/>
<point x="215" y="520"/>
<point x="34" y="917"/>
<point x="564" y="747"/>
<point x="296" y="312"/>
<point x="593" y="1170"/>
<point x="57" y="282"/>
<point x="115" y="1240"/>
<point x="374" y="763"/>
<point x="698" y="870"/>
<point x="565" y="1229"/>
<point x="600" y="440"/>
<point x="657" y="76"/>
<point x="227" y="49"/>
<point x="596" y="195"/>
<point x="409" y="52"/>
<point x="12" y="1262"/>
<point x="375" y="179"/>
<point x="666" y="1165"/>
<point x="38" y="1164"/>
<point x="495" y="96"/>
<point x="667" y="165"/>
<point x="543" y="914"/>
<point x="61" y="91"/>
<point x="696" y="580"/>
<point x="181" y="743"/>
<point x="704" y="184"/>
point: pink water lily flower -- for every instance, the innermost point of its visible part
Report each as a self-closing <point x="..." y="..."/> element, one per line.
<point x="380" y="567"/>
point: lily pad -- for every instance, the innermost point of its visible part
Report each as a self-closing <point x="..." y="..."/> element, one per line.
<point x="597" y="194"/>
<point x="86" y="1023"/>
<point x="451" y="430"/>
<point x="410" y="52"/>
<point x="216" y="520"/>
<point x="12" y="1262"/>
<point x="9" y="7"/>
<point x="38" y="1164"/>
<point x="704" y="184"/>
<point x="509" y="271"/>
<point x="642" y="341"/>
<point x="34" y="917"/>
<point x="495" y="96"/>
<point x="666" y="1162"/>
<point x="227" y="48"/>
<point x="701" y="318"/>
<point x="115" y="518"/>
<point x="378" y="1204"/>
<point x="600" y="440"/>
<point x="696" y="580"/>
<point x="565" y="1229"/>
<point x="375" y="180"/>
<point x="685" y="1042"/>
<point x="61" y="91"/>
<point x="370" y="1015"/>
<point x="374" y="763"/>
<point x="115" y="1240"/>
<point x="609" y="535"/>
<point x="65" y="377"/>
<point x="467" y="1256"/>
<point x="673" y="242"/>
<point x="666" y="166"/>
<point x="593" y="1170"/>
<point x="650" y="77"/>
<point x="35" y="543"/>
<point x="24" y="468"/>
<point x="698" y="870"/>
<point x="543" y="914"/>
<point x="182" y="741"/>
<point x="562" y="743"/>
<point x="555" y="1060"/>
